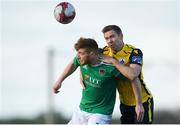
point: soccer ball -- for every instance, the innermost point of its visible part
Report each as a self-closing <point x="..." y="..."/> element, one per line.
<point x="64" y="12"/>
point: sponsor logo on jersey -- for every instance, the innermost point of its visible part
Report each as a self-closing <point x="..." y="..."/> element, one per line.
<point x="92" y="81"/>
<point x="137" y="59"/>
<point x="102" y="71"/>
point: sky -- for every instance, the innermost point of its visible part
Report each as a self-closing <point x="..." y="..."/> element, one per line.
<point x="29" y="31"/>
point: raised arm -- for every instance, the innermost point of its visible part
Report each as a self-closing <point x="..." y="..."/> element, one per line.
<point x="70" y="68"/>
<point x="131" y="72"/>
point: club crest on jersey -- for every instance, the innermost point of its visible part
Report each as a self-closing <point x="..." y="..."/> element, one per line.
<point x="102" y="71"/>
<point x="122" y="60"/>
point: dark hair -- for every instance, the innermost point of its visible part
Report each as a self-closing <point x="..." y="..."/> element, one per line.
<point x="89" y="44"/>
<point x="115" y="28"/>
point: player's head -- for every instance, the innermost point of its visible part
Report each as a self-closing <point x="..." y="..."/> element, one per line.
<point x="113" y="36"/>
<point x="87" y="48"/>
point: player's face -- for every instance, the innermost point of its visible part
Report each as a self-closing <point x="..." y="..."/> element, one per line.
<point x="83" y="56"/>
<point x="113" y="40"/>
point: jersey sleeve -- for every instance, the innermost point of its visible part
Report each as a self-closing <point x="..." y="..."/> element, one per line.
<point x="136" y="57"/>
<point x="76" y="61"/>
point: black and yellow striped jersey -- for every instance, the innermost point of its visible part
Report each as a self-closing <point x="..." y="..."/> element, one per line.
<point x="129" y="55"/>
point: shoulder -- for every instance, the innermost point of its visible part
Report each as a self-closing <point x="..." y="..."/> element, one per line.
<point x="106" y="50"/>
<point x="76" y="61"/>
<point x="136" y="57"/>
<point x="135" y="54"/>
<point x="108" y="66"/>
<point x="133" y="49"/>
<point x="113" y="71"/>
<point x="137" y="51"/>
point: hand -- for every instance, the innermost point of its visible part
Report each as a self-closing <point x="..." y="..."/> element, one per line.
<point x="56" y="87"/>
<point x="139" y="112"/>
<point x="108" y="59"/>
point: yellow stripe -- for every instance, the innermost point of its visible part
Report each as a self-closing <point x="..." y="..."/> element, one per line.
<point x="149" y="110"/>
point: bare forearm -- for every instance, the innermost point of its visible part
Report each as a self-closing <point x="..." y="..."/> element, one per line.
<point x="139" y="109"/>
<point x="70" y="68"/>
<point x="131" y="72"/>
<point x="136" y="85"/>
<point x="127" y="71"/>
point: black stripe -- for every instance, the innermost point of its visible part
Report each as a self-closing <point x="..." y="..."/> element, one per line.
<point x="143" y="84"/>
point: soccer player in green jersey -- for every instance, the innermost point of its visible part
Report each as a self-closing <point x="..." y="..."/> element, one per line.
<point x="98" y="98"/>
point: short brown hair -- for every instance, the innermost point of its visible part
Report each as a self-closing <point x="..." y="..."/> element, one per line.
<point x="87" y="43"/>
<point x="115" y="28"/>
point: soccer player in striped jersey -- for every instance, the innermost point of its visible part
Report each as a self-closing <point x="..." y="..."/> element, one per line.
<point x="98" y="98"/>
<point x="128" y="60"/>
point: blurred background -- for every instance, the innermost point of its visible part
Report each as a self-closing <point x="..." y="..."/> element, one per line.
<point x="35" y="48"/>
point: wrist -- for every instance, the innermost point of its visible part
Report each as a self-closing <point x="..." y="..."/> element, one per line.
<point x="58" y="83"/>
<point x="139" y="103"/>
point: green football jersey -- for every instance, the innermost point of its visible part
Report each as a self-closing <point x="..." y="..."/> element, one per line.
<point x="100" y="82"/>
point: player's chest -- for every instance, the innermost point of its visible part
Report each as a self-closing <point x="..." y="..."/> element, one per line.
<point x="96" y="77"/>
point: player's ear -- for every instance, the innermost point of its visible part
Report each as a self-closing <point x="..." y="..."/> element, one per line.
<point x="91" y="53"/>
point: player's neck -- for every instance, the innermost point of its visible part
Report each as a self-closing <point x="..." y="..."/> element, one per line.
<point x="95" y="60"/>
<point x="119" y="48"/>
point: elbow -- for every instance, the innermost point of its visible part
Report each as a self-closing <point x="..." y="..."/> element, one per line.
<point x="132" y="77"/>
